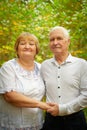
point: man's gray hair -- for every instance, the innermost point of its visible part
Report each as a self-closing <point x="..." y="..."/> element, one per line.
<point x="64" y="30"/>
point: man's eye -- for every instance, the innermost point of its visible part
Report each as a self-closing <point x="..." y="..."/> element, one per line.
<point x="59" y="38"/>
<point x="51" y="39"/>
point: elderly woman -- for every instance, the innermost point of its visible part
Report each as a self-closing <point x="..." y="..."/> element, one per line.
<point x="21" y="88"/>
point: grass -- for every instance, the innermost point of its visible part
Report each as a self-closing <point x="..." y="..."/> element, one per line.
<point x="85" y="111"/>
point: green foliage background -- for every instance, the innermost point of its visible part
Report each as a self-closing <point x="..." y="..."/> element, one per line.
<point x="38" y="17"/>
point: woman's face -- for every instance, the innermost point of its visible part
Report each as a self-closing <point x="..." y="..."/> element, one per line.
<point x="26" y="48"/>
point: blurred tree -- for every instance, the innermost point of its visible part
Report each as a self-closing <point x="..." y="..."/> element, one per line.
<point x="37" y="17"/>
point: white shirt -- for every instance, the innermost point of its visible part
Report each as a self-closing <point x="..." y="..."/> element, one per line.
<point x="66" y="84"/>
<point x="14" y="77"/>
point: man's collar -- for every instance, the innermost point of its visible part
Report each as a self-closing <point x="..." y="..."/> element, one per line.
<point x="69" y="59"/>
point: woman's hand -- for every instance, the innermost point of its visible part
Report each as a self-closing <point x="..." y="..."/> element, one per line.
<point x="44" y="106"/>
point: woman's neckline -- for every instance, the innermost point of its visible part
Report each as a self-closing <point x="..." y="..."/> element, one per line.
<point x="27" y="66"/>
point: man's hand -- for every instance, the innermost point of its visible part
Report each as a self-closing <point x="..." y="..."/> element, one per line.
<point x="53" y="110"/>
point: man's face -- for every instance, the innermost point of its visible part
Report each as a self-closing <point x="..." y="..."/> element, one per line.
<point x="58" y="42"/>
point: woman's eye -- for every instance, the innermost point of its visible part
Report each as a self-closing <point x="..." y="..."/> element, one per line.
<point x="31" y="44"/>
<point x="22" y="43"/>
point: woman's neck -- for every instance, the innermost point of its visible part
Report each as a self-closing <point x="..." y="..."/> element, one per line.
<point x="26" y="64"/>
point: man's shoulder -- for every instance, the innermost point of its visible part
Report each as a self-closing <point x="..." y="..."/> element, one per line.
<point x="47" y="61"/>
<point x="80" y="61"/>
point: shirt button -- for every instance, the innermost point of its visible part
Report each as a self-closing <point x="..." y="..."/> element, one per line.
<point x="58" y="86"/>
<point x="59" y="67"/>
<point x="59" y="96"/>
<point x="58" y="76"/>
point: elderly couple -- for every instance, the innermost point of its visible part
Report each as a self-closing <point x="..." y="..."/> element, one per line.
<point x="24" y="83"/>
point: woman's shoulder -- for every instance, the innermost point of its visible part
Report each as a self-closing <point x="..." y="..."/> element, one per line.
<point x="9" y="63"/>
<point x="38" y="64"/>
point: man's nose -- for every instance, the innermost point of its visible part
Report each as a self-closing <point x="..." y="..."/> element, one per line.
<point x="55" y="41"/>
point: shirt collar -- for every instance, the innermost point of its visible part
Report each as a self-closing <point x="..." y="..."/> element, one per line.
<point x="69" y="59"/>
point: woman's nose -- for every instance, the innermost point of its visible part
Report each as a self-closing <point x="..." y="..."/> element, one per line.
<point x="27" y="45"/>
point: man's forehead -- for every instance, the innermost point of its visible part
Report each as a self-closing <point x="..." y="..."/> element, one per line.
<point x="57" y="33"/>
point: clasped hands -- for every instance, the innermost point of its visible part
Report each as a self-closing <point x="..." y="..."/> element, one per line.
<point x="51" y="108"/>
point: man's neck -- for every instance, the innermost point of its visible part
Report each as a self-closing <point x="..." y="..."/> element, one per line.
<point x="60" y="58"/>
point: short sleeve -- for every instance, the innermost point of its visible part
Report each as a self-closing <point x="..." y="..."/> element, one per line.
<point x="7" y="78"/>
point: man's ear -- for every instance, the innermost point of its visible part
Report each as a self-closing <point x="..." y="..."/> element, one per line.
<point x="68" y="41"/>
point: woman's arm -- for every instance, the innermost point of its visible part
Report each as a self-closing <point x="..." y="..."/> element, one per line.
<point x="20" y="100"/>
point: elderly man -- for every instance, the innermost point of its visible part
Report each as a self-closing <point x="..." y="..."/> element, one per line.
<point x="65" y="78"/>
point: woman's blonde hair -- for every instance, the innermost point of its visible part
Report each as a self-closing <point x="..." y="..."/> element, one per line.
<point x="30" y="37"/>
